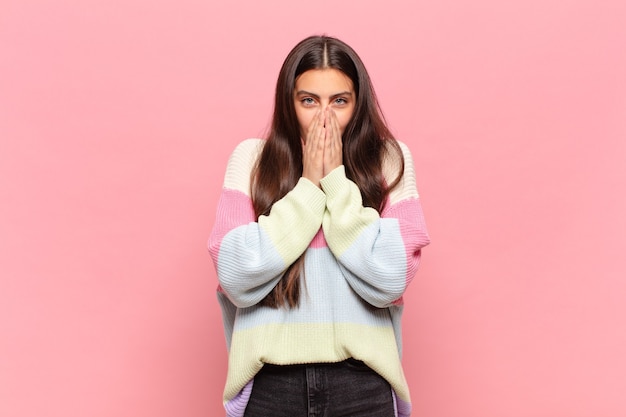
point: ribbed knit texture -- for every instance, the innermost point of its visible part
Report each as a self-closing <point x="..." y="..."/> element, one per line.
<point x="357" y="266"/>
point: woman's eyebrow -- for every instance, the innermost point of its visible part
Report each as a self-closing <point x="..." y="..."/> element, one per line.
<point x="343" y="93"/>
<point x="308" y="93"/>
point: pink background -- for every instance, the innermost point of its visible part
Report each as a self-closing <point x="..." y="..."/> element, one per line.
<point x="116" y="120"/>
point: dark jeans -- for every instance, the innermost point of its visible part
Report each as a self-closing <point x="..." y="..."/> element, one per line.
<point x="347" y="388"/>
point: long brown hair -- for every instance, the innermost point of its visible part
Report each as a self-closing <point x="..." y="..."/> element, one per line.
<point x="366" y="140"/>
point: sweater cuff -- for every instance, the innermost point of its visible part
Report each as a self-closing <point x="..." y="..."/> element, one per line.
<point x="312" y="196"/>
<point x="333" y="182"/>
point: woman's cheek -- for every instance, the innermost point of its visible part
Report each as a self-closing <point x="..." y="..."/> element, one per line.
<point x="343" y="122"/>
<point x="306" y="121"/>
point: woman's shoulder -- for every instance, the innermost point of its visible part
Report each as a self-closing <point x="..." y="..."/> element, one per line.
<point x="241" y="163"/>
<point x="247" y="147"/>
<point x="392" y="151"/>
<point x="398" y="160"/>
<point x="397" y="156"/>
<point x="246" y="152"/>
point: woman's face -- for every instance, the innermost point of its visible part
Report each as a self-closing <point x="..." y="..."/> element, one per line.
<point x="320" y="88"/>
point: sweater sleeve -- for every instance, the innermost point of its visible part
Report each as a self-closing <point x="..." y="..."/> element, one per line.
<point x="251" y="255"/>
<point x="378" y="254"/>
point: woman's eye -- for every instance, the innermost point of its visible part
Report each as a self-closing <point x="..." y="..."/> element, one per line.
<point x="307" y="101"/>
<point x="341" y="101"/>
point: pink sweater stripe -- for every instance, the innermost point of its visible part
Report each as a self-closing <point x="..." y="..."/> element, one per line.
<point x="234" y="209"/>
<point x="412" y="229"/>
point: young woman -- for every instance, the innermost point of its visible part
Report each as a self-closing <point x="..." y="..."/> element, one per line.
<point x="318" y="233"/>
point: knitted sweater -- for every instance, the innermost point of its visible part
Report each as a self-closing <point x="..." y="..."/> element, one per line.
<point x="357" y="266"/>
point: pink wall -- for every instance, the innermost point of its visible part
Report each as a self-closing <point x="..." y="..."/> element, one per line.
<point x="116" y="119"/>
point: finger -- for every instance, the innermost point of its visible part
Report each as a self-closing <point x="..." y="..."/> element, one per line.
<point x="313" y="125"/>
<point x="319" y="123"/>
<point x="312" y="134"/>
<point x="337" y="143"/>
<point x="333" y="154"/>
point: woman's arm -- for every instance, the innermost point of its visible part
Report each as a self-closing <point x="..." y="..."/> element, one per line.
<point x="378" y="254"/>
<point x="250" y="256"/>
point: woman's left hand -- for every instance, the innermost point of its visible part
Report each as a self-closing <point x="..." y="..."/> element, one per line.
<point x="332" y="145"/>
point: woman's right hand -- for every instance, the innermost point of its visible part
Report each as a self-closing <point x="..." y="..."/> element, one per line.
<point x="313" y="149"/>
